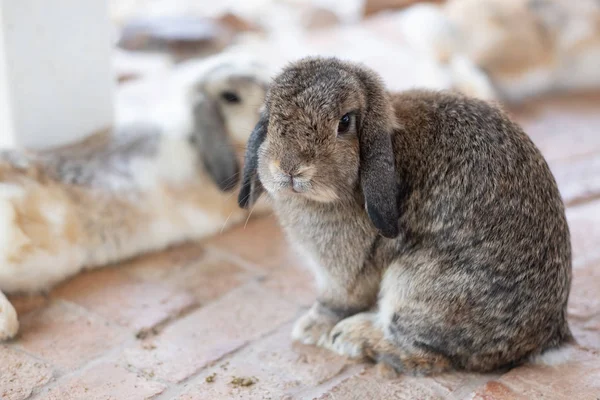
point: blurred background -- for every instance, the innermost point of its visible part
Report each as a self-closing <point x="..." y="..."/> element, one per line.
<point x="63" y="60"/>
<point x="539" y="58"/>
<point x="72" y="70"/>
<point x="509" y="50"/>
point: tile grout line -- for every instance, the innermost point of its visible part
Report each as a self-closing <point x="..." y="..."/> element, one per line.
<point x="345" y="373"/>
<point x="131" y="342"/>
<point x="60" y="376"/>
<point x="179" y="387"/>
<point x="248" y="266"/>
<point x="582" y="200"/>
<point x="108" y="355"/>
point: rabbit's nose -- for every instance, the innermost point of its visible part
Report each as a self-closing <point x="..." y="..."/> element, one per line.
<point x="294" y="177"/>
<point x="278" y="171"/>
<point x="285" y="167"/>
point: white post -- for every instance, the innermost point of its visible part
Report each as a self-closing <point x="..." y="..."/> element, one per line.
<point x="56" y="83"/>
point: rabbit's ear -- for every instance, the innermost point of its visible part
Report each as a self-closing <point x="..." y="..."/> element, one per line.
<point x="251" y="187"/>
<point x="213" y="143"/>
<point x="377" y="166"/>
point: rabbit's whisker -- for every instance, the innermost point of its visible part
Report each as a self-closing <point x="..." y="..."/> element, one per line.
<point x="251" y="211"/>
<point x="226" y="220"/>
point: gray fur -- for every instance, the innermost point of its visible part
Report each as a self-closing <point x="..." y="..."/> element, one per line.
<point x="251" y="188"/>
<point x="479" y="274"/>
<point x="213" y="144"/>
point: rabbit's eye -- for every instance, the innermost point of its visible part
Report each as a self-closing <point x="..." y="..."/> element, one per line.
<point x="344" y="124"/>
<point x="230" y="97"/>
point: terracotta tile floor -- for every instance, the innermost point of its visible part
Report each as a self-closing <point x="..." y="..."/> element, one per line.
<point x="212" y="320"/>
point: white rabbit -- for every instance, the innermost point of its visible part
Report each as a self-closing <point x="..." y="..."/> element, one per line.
<point x="145" y="187"/>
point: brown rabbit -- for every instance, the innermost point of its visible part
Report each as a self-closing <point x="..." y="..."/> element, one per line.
<point x="436" y="230"/>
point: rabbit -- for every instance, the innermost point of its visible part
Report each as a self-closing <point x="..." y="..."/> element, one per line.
<point x="432" y="223"/>
<point x="143" y="189"/>
<point x="510" y="50"/>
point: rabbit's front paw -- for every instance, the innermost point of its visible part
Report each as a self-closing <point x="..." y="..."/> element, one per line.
<point x="313" y="328"/>
<point x="351" y="336"/>
<point x="9" y="324"/>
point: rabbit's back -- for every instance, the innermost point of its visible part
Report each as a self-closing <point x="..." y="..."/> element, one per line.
<point x="484" y="220"/>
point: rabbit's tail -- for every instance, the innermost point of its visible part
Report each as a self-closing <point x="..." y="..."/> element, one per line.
<point x="561" y="354"/>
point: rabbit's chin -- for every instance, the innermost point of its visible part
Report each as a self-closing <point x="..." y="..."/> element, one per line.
<point x="320" y="195"/>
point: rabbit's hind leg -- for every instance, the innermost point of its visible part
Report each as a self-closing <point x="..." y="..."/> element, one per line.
<point x="9" y="324"/>
<point x="362" y="337"/>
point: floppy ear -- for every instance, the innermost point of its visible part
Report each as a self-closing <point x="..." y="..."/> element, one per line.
<point x="212" y="143"/>
<point x="251" y="186"/>
<point x="377" y="163"/>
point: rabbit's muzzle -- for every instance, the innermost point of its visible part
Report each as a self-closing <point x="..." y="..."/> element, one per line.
<point x="292" y="177"/>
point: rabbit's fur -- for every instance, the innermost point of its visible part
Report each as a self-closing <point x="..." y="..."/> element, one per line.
<point x="435" y="229"/>
<point x="510" y="49"/>
<point x="144" y="188"/>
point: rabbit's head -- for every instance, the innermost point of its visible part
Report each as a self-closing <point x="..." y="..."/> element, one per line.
<point x="225" y="107"/>
<point x="325" y="136"/>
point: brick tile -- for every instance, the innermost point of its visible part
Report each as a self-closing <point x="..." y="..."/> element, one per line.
<point x="157" y="266"/>
<point x="587" y="333"/>
<point x="24" y="303"/>
<point x="369" y="385"/>
<point x="458" y="385"/>
<point x="495" y="390"/>
<point x="562" y="126"/>
<point x="105" y="381"/>
<point x="578" y="179"/>
<point x="207" y="334"/>
<point x="261" y="242"/>
<point x="584" y="301"/>
<point x="209" y="278"/>
<point x="584" y="305"/>
<point x="186" y="275"/>
<point x="452" y="385"/>
<point x="113" y="294"/>
<point x="67" y="336"/>
<point x="584" y="223"/>
<point x="21" y="375"/>
<point x="577" y="379"/>
<point x="278" y="367"/>
<point x="294" y="281"/>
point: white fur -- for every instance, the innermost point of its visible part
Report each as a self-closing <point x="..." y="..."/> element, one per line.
<point x="165" y="219"/>
<point x="175" y="163"/>
<point x="11" y="237"/>
<point x="322" y="280"/>
<point x="395" y="284"/>
<point x="9" y="324"/>
<point x="346" y="343"/>
<point x="470" y="78"/>
<point x="172" y="222"/>
<point x="554" y="357"/>
<point x="427" y="30"/>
